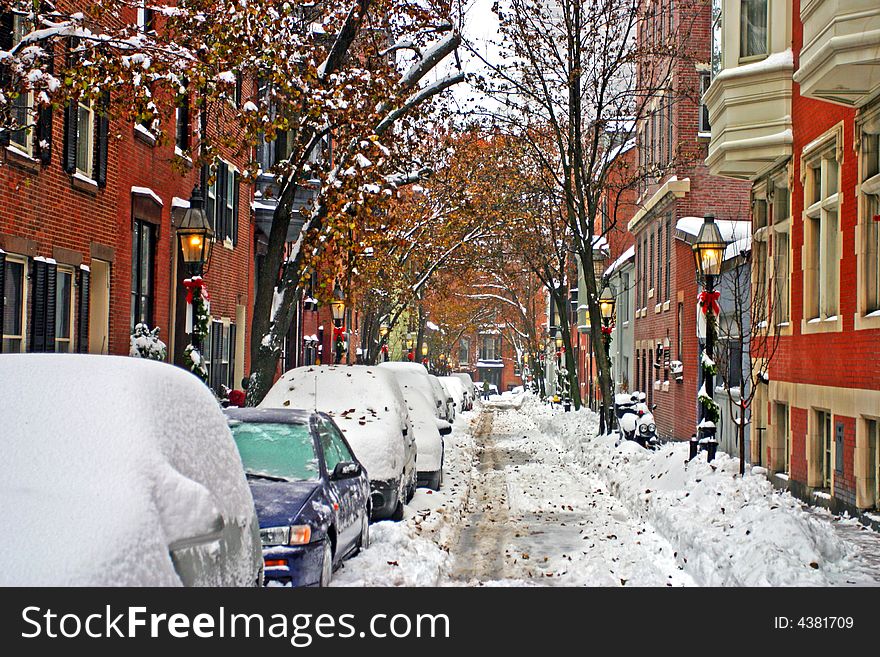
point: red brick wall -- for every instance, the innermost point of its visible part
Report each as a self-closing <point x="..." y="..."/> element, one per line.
<point x="798" y="418"/>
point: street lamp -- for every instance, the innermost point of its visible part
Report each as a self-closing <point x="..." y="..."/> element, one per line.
<point x="337" y="308"/>
<point x="383" y="340"/>
<point x="607" y="302"/>
<point x="709" y="250"/>
<point x="410" y="343"/>
<point x="196" y="238"/>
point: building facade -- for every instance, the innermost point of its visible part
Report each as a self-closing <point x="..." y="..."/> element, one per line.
<point x="795" y="111"/>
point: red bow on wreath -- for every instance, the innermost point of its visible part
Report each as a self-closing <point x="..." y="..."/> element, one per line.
<point x="606" y="330"/>
<point x="709" y="300"/>
<point x="409" y="355"/>
<point x="384" y="348"/>
<point x="338" y="332"/>
<point x="192" y="284"/>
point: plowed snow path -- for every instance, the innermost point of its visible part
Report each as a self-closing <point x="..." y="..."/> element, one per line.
<point x="534" y="517"/>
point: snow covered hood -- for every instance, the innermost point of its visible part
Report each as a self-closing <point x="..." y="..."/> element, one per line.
<point x="118" y="459"/>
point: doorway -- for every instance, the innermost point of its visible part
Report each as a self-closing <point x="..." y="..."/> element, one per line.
<point x="99" y="307"/>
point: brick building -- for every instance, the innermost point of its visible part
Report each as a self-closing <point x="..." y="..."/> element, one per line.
<point x="88" y="209"/>
<point x="672" y="141"/>
<point x="795" y="111"/>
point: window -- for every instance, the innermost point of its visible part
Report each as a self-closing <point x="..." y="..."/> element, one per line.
<point x="64" y="311"/>
<point x="464" y="350"/>
<point x="821" y="264"/>
<point x="146" y="17"/>
<point x="872" y="460"/>
<point x="334" y="448"/>
<point x="752" y="28"/>
<point x="142" y="267"/>
<point x="22" y="106"/>
<point x="717" y="46"/>
<point x="826" y="445"/>
<point x="651" y="270"/>
<point x="182" y="123"/>
<point x="668" y="257"/>
<point x="85" y="121"/>
<point x="781" y="217"/>
<point x="705" y="81"/>
<point x="490" y="349"/>
<point x="870" y="188"/>
<point x="14" y="304"/>
<point x="222" y="201"/>
<point x="623" y="299"/>
<point x="659" y="286"/>
<point x="783" y="436"/>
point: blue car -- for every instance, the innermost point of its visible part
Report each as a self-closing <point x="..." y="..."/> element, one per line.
<point x="311" y="494"/>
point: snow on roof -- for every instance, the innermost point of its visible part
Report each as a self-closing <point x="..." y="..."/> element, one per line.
<point x="177" y="202"/>
<point x="778" y="60"/>
<point x="624" y="257"/>
<point x="364" y="401"/>
<point x="93" y="449"/>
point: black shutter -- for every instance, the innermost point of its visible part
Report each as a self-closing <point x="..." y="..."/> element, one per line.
<point x="209" y="203"/>
<point x="43" y="146"/>
<point x="232" y="383"/>
<point x="214" y="356"/>
<point x="43" y="307"/>
<point x="70" y="134"/>
<point x="102" y="136"/>
<point x="2" y="295"/>
<point x="51" y="282"/>
<point x="82" y="327"/>
<point x="184" y="127"/>
<point x="235" y="185"/>
<point x="280" y="146"/>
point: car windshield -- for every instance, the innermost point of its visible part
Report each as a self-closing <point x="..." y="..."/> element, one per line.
<point x="273" y="451"/>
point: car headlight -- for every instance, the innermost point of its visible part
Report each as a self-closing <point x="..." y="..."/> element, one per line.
<point x="292" y="535"/>
<point x="652" y="428"/>
<point x="643" y="428"/>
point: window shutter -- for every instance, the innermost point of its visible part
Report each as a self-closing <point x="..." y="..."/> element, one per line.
<point x="2" y="295"/>
<point x="44" y="122"/>
<point x="281" y="146"/>
<point x="82" y="328"/>
<point x="69" y="159"/>
<point x="43" y="308"/>
<point x="235" y="207"/>
<point x="102" y="137"/>
<point x="214" y="356"/>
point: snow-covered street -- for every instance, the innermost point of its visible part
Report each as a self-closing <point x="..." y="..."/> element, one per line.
<point x="533" y="497"/>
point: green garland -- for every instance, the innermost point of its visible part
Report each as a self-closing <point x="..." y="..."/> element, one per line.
<point x="192" y="358"/>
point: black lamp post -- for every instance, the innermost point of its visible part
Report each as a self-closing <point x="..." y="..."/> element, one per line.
<point x="337" y="308"/>
<point x="709" y="254"/>
<point x="196" y="238"/>
<point x="410" y="343"/>
<point x="607" y="302"/>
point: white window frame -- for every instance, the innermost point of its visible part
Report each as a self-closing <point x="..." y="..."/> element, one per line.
<point x="27" y="148"/>
<point x="868" y="233"/>
<point x="756" y="56"/>
<point x="70" y="340"/>
<point x="231" y="173"/>
<point x="89" y="139"/>
<point x="23" y="261"/>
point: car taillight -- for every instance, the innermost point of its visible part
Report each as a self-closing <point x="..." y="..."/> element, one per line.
<point x="275" y="563"/>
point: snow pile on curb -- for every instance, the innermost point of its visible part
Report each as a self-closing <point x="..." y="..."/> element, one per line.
<point x="727" y="530"/>
<point x="415" y="552"/>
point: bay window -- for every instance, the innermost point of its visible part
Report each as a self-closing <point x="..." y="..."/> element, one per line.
<point x="752" y="28"/>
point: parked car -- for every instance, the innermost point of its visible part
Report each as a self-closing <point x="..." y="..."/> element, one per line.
<point x="124" y="469"/>
<point x="448" y="401"/>
<point x="414" y="375"/>
<point x="455" y="388"/>
<point x="468" y="384"/>
<point x="429" y="438"/>
<point x="367" y="405"/>
<point x="311" y="493"/>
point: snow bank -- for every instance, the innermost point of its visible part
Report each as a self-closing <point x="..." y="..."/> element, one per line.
<point x="115" y="460"/>
<point x="728" y="530"/>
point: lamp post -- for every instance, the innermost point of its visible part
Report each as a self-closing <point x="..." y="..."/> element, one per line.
<point x="425" y="354"/>
<point x="410" y="343"/>
<point x="607" y="303"/>
<point x="709" y="254"/>
<point x="196" y="238"/>
<point x="337" y="307"/>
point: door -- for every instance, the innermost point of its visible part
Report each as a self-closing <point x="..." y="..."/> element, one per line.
<point x="346" y="493"/>
<point x="99" y="307"/>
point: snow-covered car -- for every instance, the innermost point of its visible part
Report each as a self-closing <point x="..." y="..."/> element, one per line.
<point x="414" y="375"/>
<point x="311" y="493"/>
<point x="468" y="384"/>
<point x="448" y="401"/>
<point x="429" y="462"/>
<point x="367" y="405"/>
<point x="456" y="390"/>
<point x="129" y="466"/>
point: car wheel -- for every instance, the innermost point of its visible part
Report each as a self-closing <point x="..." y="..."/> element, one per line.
<point x="327" y="563"/>
<point x="364" y="540"/>
<point x="435" y="480"/>
<point x="398" y="511"/>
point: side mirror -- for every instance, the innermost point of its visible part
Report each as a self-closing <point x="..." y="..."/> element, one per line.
<point x="346" y="470"/>
<point x="445" y="431"/>
<point x="653" y="406"/>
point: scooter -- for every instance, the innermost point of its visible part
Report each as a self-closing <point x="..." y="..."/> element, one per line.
<point x="635" y="419"/>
